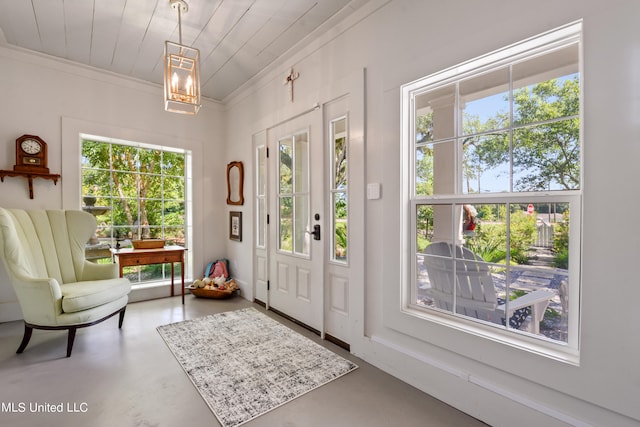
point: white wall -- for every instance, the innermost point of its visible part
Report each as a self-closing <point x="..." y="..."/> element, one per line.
<point x="56" y="100"/>
<point x="404" y="40"/>
<point x="397" y="43"/>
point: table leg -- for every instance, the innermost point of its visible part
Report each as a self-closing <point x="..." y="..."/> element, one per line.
<point x="182" y="277"/>
<point x="171" y="279"/>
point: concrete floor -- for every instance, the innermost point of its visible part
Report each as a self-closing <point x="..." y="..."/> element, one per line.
<point x="129" y="377"/>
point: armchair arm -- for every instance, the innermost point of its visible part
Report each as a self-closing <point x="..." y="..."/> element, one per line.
<point x="531" y="299"/>
<point x="40" y="299"/>
<point x="94" y="271"/>
<point x="537" y="300"/>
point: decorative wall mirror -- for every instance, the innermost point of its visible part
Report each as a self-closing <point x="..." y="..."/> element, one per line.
<point x="235" y="182"/>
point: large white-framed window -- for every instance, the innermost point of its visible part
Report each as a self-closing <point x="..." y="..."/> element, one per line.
<point x="135" y="191"/>
<point x="492" y="166"/>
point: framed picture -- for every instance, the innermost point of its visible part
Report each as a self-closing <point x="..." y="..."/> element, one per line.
<point x="235" y="226"/>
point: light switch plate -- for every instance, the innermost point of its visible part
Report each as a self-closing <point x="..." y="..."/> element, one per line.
<point x="373" y="191"/>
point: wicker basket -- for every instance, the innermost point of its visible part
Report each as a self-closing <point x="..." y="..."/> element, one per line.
<point x="213" y="293"/>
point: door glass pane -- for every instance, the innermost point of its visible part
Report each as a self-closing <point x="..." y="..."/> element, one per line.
<point x="286" y="224"/>
<point x="301" y="157"/>
<point x="301" y="212"/>
<point x="339" y="188"/>
<point x="261" y="184"/>
<point x="293" y="178"/>
<point x="261" y="195"/>
<point x="285" y="171"/>
<point x="338" y="130"/>
<point x="340" y="226"/>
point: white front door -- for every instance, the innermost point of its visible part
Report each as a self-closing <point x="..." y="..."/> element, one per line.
<point x="296" y="216"/>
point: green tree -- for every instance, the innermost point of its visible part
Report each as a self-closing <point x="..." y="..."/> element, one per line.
<point x="424" y="155"/>
<point x="561" y="242"/>
<point x="546" y="142"/>
<point x="143" y="188"/>
<point x="490" y="240"/>
<point x="522" y="234"/>
<point x="424" y="177"/>
<point x="482" y="151"/>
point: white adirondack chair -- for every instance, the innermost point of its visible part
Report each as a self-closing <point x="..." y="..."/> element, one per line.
<point x="475" y="293"/>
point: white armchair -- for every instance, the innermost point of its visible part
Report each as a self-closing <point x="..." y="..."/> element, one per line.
<point x="57" y="288"/>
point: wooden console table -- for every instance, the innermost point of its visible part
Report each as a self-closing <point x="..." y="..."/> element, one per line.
<point x="129" y="257"/>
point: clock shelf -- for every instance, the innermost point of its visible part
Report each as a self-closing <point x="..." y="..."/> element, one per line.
<point x="30" y="176"/>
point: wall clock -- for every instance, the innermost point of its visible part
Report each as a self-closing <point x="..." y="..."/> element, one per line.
<point x="31" y="161"/>
<point x="31" y="155"/>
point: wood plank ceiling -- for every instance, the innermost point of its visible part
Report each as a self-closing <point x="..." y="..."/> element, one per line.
<point x="236" y="38"/>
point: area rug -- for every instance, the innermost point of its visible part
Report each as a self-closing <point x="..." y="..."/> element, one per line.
<point x="245" y="364"/>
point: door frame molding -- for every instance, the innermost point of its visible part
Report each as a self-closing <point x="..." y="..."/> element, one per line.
<point x="354" y="86"/>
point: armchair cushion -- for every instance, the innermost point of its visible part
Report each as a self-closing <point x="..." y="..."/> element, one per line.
<point x="81" y="296"/>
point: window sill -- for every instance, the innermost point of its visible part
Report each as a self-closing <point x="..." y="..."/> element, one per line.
<point x="531" y="344"/>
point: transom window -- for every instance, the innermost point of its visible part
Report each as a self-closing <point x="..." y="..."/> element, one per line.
<point x="135" y="191"/>
<point x="493" y="167"/>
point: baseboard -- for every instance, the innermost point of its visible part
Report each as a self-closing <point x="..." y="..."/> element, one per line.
<point x="473" y="393"/>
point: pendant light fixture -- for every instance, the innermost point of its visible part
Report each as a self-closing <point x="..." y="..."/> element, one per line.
<point x="181" y="71"/>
